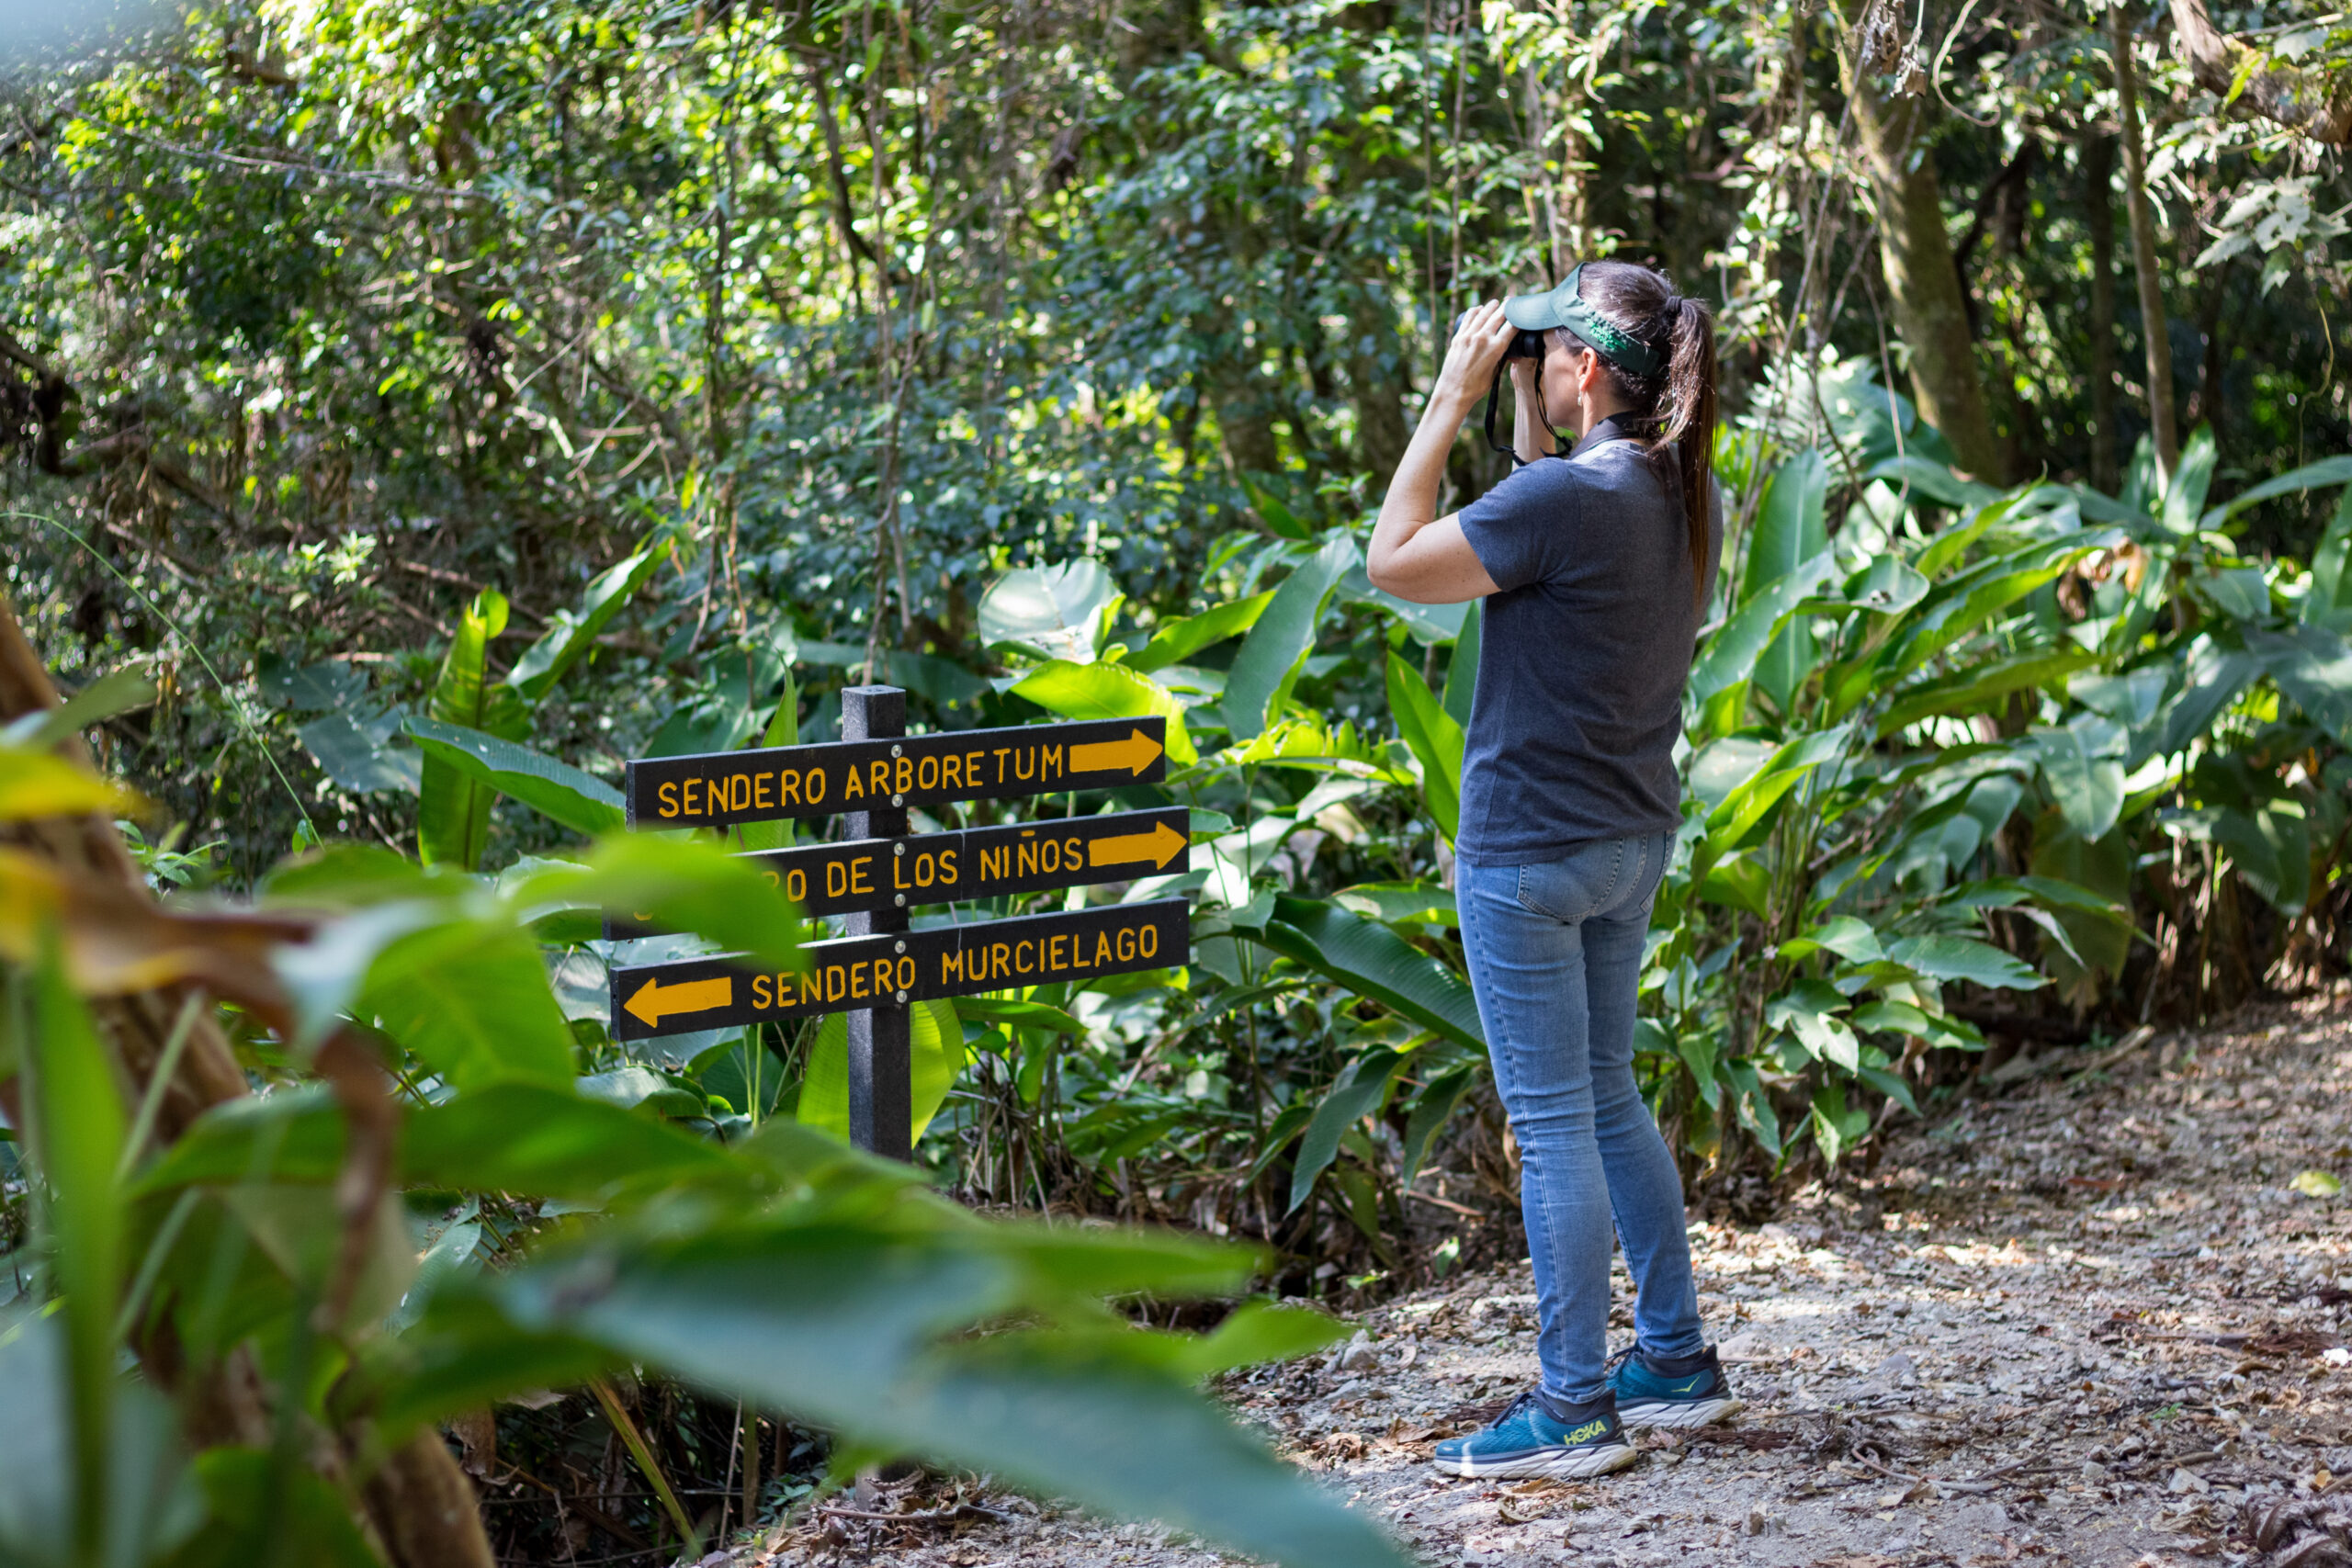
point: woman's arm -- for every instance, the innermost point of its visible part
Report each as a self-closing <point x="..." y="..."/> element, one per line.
<point x="1416" y="555"/>
<point x="1529" y="436"/>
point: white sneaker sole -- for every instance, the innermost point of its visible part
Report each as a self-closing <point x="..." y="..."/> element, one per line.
<point x="1555" y="1465"/>
<point x="1679" y="1414"/>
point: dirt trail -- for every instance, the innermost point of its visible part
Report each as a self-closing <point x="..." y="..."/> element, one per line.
<point x="2086" y="1318"/>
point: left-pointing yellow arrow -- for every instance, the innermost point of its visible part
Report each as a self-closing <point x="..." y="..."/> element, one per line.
<point x="654" y="1001"/>
<point x="1160" y="846"/>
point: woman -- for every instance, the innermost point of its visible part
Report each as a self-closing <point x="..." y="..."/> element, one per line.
<point x="1595" y="571"/>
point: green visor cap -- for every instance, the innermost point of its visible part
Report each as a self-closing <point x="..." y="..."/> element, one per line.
<point x="1564" y="307"/>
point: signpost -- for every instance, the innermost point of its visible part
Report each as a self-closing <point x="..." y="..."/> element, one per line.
<point x="879" y="872"/>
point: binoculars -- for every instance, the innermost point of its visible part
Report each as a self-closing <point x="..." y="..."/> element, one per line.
<point x="1524" y="345"/>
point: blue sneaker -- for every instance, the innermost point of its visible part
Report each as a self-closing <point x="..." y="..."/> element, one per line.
<point x="1539" y="1437"/>
<point x="1670" y="1391"/>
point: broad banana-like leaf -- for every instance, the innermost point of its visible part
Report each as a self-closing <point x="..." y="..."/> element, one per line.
<point x="1746" y="809"/>
<point x="936" y="1059"/>
<point x="2313" y="666"/>
<point x="1372" y="960"/>
<point x="1050" y="611"/>
<point x="1462" y="669"/>
<point x="453" y="805"/>
<point x="2213" y="678"/>
<point x="1108" y="691"/>
<point x="572" y="633"/>
<point x="124" y="691"/>
<point x="1730" y="655"/>
<point x="581" y="802"/>
<point x="1179" y="641"/>
<point x="1355" y="1094"/>
<point x="1944" y="955"/>
<point x="2082" y="764"/>
<point x="1790" y="531"/>
<point x="1436" y="740"/>
<point x="2184" y="497"/>
<point x="1267" y="663"/>
<point x="2327" y="471"/>
<point x="1982" y="686"/>
<point x="2329" y="602"/>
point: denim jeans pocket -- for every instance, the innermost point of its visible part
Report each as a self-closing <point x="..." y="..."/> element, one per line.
<point x="1578" y="885"/>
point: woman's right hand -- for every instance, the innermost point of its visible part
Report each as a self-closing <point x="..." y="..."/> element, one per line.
<point x="1470" y="359"/>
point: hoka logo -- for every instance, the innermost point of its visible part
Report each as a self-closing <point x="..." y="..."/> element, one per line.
<point x="1588" y="1431"/>
<point x="1694" y="1382"/>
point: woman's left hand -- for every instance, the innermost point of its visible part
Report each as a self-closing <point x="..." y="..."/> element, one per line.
<point x="1470" y="359"/>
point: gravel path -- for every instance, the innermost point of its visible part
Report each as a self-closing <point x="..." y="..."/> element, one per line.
<point x="2087" y="1318"/>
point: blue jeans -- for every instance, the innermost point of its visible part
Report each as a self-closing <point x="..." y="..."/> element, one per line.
<point x="1556" y="959"/>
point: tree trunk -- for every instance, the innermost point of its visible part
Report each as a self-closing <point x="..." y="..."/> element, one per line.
<point x="1922" y="279"/>
<point x="2153" y="330"/>
<point x="2305" y="100"/>
<point x="2098" y="212"/>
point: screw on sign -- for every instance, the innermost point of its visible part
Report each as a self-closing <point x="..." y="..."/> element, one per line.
<point x="881" y="967"/>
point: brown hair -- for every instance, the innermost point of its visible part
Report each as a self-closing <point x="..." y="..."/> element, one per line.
<point x="1640" y="304"/>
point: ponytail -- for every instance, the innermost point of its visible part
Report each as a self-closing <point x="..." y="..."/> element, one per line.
<point x="1686" y="412"/>
<point x="1680" y="399"/>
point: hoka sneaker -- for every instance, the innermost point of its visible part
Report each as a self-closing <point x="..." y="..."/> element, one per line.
<point x="1541" y="1437"/>
<point x="1670" y="1391"/>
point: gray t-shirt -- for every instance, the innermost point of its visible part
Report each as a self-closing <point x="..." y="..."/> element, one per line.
<point x="1582" y="656"/>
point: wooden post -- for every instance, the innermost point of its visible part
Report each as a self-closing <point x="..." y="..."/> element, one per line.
<point x="881" y="1092"/>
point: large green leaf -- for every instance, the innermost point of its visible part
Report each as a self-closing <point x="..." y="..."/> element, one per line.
<point x="849" y="1328"/>
<point x="1270" y="655"/>
<point x="1436" y="741"/>
<point x="1179" y="641"/>
<point x="453" y="805"/>
<point x="471" y="998"/>
<point x="1050" y="611"/>
<point x="1108" y="691"/>
<point x="258" y="1510"/>
<point x="1976" y="687"/>
<point x="78" y="1127"/>
<point x="2082" y="762"/>
<point x="1462" y="668"/>
<point x="581" y="802"/>
<point x="528" y="1139"/>
<point x="572" y="633"/>
<point x="2327" y="471"/>
<point x="935" y="1058"/>
<point x="1789" y="532"/>
<point x="2214" y="676"/>
<point x="1355" y="1094"/>
<point x="673" y="886"/>
<point x="2313" y="667"/>
<point x="1947" y="957"/>
<point x="2328" y="602"/>
<point x="1430" y="1108"/>
<point x="2184" y="497"/>
<point x="1372" y="960"/>
<point x="1746" y="810"/>
<point x="1729" y="658"/>
<point x="139" y="1490"/>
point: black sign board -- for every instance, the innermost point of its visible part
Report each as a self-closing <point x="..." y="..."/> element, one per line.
<point x="717" y="788"/>
<point x="896" y="968"/>
<point x="973" y="862"/>
<point x="872" y="775"/>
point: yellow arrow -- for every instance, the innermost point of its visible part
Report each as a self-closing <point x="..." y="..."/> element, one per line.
<point x="654" y="1001"/>
<point x="1160" y="846"/>
<point x="1137" y="752"/>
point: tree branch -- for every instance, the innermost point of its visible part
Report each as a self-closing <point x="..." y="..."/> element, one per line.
<point x="2305" y="101"/>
